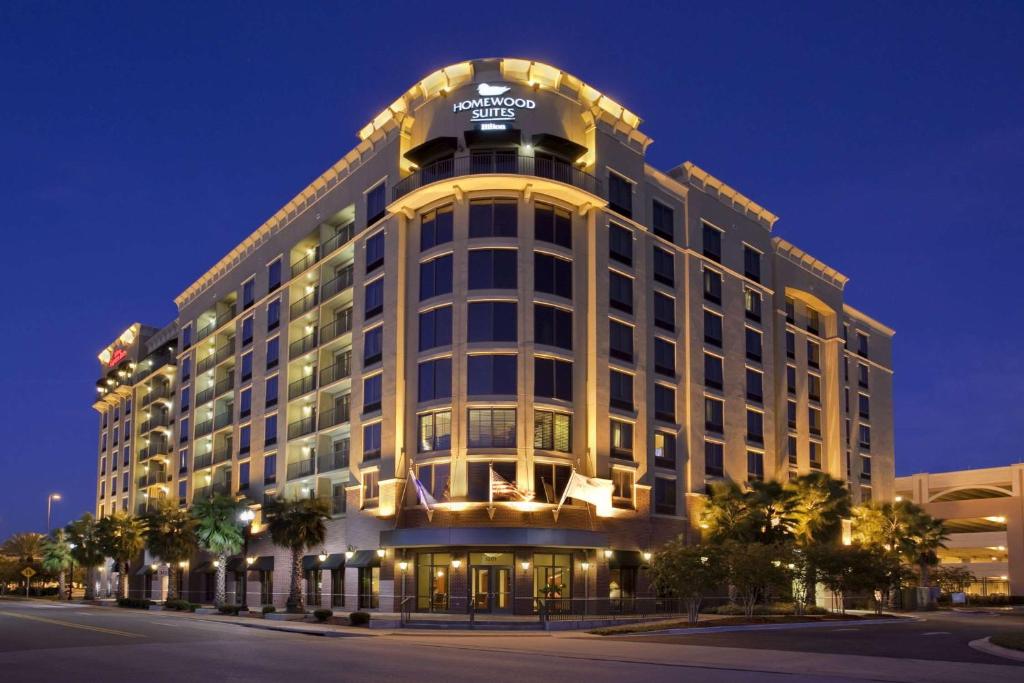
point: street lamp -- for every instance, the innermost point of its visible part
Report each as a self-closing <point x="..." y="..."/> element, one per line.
<point x="49" y="508"/>
<point x="586" y="585"/>
<point x="247" y="515"/>
<point x="403" y="565"/>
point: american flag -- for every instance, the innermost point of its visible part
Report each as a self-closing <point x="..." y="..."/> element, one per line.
<point x="503" y="488"/>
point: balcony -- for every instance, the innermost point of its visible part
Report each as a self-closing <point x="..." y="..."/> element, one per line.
<point x="301" y="386"/>
<point x="158" y="392"/>
<point x="311" y="257"/>
<point x="222" y="488"/>
<point x="340" y="370"/>
<point x="204" y="428"/>
<point x="302" y="427"/>
<point x="154" y="422"/>
<point x="155" y="477"/>
<point x="302" y="468"/>
<point x="301" y="346"/>
<point x="340" y="282"/>
<point x="222" y="454"/>
<point x="225" y="384"/>
<point x="226" y="316"/>
<point x="504" y="163"/>
<point x="154" y="448"/>
<point x="339" y="239"/>
<point x="225" y="351"/>
<point x="337" y="505"/>
<point x="202" y="460"/>
<point x="337" y="327"/>
<point x="206" y="363"/>
<point x="202" y="492"/>
<point x="334" y="416"/>
<point x="332" y="461"/>
<point x="306" y="303"/>
<point x="223" y="419"/>
<point x="204" y="396"/>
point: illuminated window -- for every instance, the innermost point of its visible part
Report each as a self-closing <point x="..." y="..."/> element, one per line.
<point x="622" y="488"/>
<point x="435" y="431"/>
<point x="622" y="440"/>
<point x="552" y="431"/>
<point x="492" y="428"/>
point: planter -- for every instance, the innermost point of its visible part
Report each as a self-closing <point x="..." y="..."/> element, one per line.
<point x="284" y="616"/>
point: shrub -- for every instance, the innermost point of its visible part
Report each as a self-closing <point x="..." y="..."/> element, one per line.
<point x="359" y="619"/>
<point x="774" y="609"/>
<point x="322" y="615"/>
<point x="229" y="609"/>
<point x="269" y="609"/>
<point x="178" y="605"/>
<point x="134" y="603"/>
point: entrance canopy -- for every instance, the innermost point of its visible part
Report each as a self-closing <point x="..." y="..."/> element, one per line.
<point x="496" y="536"/>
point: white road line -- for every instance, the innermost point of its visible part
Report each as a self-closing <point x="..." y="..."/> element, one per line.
<point x="937" y="633"/>
<point x="836" y="630"/>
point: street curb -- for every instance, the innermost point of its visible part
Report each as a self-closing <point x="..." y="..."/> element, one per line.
<point x="285" y="629"/>
<point x="697" y="630"/>
<point x="988" y="647"/>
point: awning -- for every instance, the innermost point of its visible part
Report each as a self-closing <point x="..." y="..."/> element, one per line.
<point x="144" y="570"/>
<point x="625" y="558"/>
<point x="491" y="536"/>
<point x="310" y="562"/>
<point x="263" y="564"/>
<point x="236" y="564"/>
<point x="334" y="561"/>
<point x="431" y="150"/>
<point x="493" y="138"/>
<point x="567" y="149"/>
<point x="205" y="568"/>
<point x="363" y="558"/>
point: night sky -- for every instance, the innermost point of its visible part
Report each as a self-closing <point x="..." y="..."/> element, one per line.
<point x="140" y="144"/>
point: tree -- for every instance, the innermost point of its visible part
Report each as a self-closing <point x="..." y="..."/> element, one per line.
<point x="57" y="559"/>
<point x="755" y="570"/>
<point x="820" y="504"/>
<point x="901" y="528"/>
<point x="952" y="579"/>
<point x="771" y="507"/>
<point x="854" y="570"/>
<point x="87" y="550"/>
<point x="219" y="533"/>
<point x="171" y="536"/>
<point x="297" y="525"/>
<point x="122" y="537"/>
<point x="688" y="572"/>
<point x="26" y="550"/>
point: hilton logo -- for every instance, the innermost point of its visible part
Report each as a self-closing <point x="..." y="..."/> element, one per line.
<point x="493" y="106"/>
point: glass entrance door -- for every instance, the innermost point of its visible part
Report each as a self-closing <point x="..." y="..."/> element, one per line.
<point x="492" y="589"/>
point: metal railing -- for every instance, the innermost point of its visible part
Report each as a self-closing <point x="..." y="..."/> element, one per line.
<point x="222" y="454"/>
<point x="206" y="363"/>
<point x="332" y="461"/>
<point x="306" y="261"/>
<point x="159" y="391"/>
<point x="304" y="345"/>
<point x="152" y="449"/>
<point x="340" y="282"/>
<point x="301" y="386"/>
<point x="334" y="416"/>
<point x="337" y="327"/>
<point x="302" y="427"/>
<point x="343" y="236"/>
<point x="304" y="304"/>
<point x="154" y="422"/>
<point x="225" y="384"/>
<point x="202" y="460"/>
<point x="158" y="476"/>
<point x="223" y="419"/>
<point x="505" y="163"/>
<point x="302" y="468"/>
<point x="204" y="428"/>
<point x="341" y="369"/>
<point x="223" y="318"/>
<point x="204" y="396"/>
<point x="225" y="351"/>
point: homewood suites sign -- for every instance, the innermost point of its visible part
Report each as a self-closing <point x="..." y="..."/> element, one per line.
<point x="493" y="105"/>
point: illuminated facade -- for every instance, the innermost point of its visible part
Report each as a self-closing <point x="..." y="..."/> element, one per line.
<point x="492" y="291"/>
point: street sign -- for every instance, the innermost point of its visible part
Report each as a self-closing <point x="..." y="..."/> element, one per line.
<point x="28" y="572"/>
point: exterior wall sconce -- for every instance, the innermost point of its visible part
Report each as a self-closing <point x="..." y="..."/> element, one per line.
<point x="456" y="564"/>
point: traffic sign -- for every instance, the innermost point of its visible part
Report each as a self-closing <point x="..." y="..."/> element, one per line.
<point x="28" y="572"/>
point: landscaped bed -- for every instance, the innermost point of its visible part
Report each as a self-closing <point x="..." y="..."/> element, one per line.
<point x="1013" y="641"/>
<point x="729" y="621"/>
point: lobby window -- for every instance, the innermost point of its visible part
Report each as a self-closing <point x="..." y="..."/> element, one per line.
<point x="620" y="194"/>
<point x="664" y="403"/>
<point x="755" y="466"/>
<point x="435" y="380"/>
<point x="376" y="202"/>
<point x="864" y="406"/>
<point x="620" y="291"/>
<point x="713" y="415"/>
<point x="664" y="357"/>
<point x="435" y="328"/>
<point x="435" y="431"/>
<point x="552" y="224"/>
<point x="552" y="378"/>
<point x="492" y="269"/>
<point x="492" y="218"/>
<point x="755" y="426"/>
<point x="864" y="437"/>
<point x="790" y="380"/>
<point x="713" y="373"/>
<point x="790" y="345"/>
<point x="270" y="391"/>
<point x="815" y="454"/>
<point x="862" y="375"/>
<point x="662" y="220"/>
<point x="247" y="330"/>
<point x="245" y="403"/>
<point x="435" y="478"/>
<point x="664" y="267"/>
<point x="620" y="340"/>
<point x="813" y="321"/>
<point x="712" y="286"/>
<point x="862" y="344"/>
<point x="664" y="496"/>
<point x="755" y="385"/>
<point x="712" y="328"/>
<point x="622" y="440"/>
<point x="753" y="341"/>
<point x="711" y="242"/>
<point x="622" y="488"/>
<point x="270" y="430"/>
<point x="814" y="420"/>
<point x="374" y="301"/>
<point x="273" y="352"/>
<point x="244" y="439"/>
<point x="490" y="375"/>
<point x="273" y="315"/>
<point x="492" y="428"/>
<point x="436" y="277"/>
<point x="436" y="227"/>
<point x="373" y="345"/>
<point x="664" y="449"/>
<point x="621" y="390"/>
<point x="620" y="244"/>
<point x="791" y="414"/>
<point x="371" y="488"/>
<point x="552" y="570"/>
<point x="248" y="293"/>
<point x="813" y="387"/>
<point x="791" y="449"/>
<point x="492" y="321"/>
<point x="552" y="431"/>
<point x="664" y="311"/>
<point x="752" y="304"/>
<point x="274" y="275"/>
<point x="371" y="441"/>
<point x="374" y="252"/>
<point x="752" y="263"/>
<point x="552" y="275"/>
<point x="552" y="326"/>
<point x="371" y="393"/>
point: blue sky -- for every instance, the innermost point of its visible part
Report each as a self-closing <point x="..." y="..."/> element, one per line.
<point x="141" y="141"/>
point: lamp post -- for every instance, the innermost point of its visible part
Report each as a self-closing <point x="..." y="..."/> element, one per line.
<point x="49" y="508"/>
<point x="586" y="585"/>
<point x="403" y="565"/>
<point x="71" y="582"/>
<point x="247" y="515"/>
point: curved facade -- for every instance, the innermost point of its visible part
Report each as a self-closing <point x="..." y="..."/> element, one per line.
<point x="492" y="292"/>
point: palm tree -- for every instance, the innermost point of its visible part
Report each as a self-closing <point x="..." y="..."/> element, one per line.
<point x="726" y="514"/>
<point x="219" y="533"/>
<point x="57" y="558"/>
<point x="26" y="549"/>
<point x="928" y="536"/>
<point x="902" y="529"/>
<point x="770" y="505"/>
<point x="122" y="537"/>
<point x="297" y="525"/>
<point x="820" y="504"/>
<point x="87" y="550"/>
<point x="171" y="536"/>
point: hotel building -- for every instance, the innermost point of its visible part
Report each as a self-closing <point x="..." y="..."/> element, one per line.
<point x="491" y="291"/>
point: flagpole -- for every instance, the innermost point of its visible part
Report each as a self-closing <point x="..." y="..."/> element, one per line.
<point x="565" y="493"/>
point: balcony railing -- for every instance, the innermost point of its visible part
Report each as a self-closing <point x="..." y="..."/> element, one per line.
<point x="204" y="428"/>
<point x="223" y="419"/>
<point x="154" y="422"/>
<point x="337" y="327"/>
<point x="203" y="460"/>
<point x="206" y="363"/>
<point x="225" y="351"/>
<point x="204" y="396"/>
<point x="306" y="261"/>
<point x="304" y="304"/>
<point x="304" y="345"/>
<point x="301" y="386"/>
<point x="226" y="384"/>
<point x="506" y="163"/>
<point x="222" y="454"/>
<point x="154" y="448"/>
<point x="205" y="330"/>
<point x="341" y="281"/>
<point x="341" y="369"/>
<point x="223" y="318"/>
<point x="332" y="461"/>
<point x="159" y="391"/>
<point x="202" y="492"/>
<point x="342" y="237"/>
<point x="334" y="416"/>
<point x="302" y="468"/>
<point x="302" y="427"/>
<point x="155" y="477"/>
<point x="222" y="488"/>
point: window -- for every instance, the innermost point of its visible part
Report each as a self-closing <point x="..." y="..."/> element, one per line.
<point x="127" y="454"/>
<point x="243" y="476"/>
<point x="664" y="357"/>
<point x="864" y="434"/>
<point x="182" y="491"/>
<point x="186" y="373"/>
<point x="273" y="315"/>
<point x="184" y="402"/>
<point x="245" y="403"/>
<point x="435" y="328"/>
<point x="864" y="406"/>
<point x="436" y="228"/>
<point x="621" y="390"/>
<point x="752" y="263"/>
<point x="248" y="293"/>
<point x="373" y="345"/>
<point x="664" y="496"/>
<point x="551" y="275"/>
<point x="622" y="488"/>
<point x="435" y="380"/>
<point x="753" y="345"/>
<point x="492" y="269"/>
<point x="552" y="326"/>
<point x="436" y="277"/>
<point x="790" y="345"/>
<point x="552" y="431"/>
<point x="270" y="391"/>
<point x="862" y="344"/>
<point x="374" y="252"/>
<point x="712" y="242"/>
<point x="862" y="375"/>
<point x="186" y="336"/>
<point x="374" y="302"/>
<point x="244" y="439"/>
<point x="551" y="224"/>
<point x="815" y="454"/>
<point x="755" y="466"/>
<point x="791" y="414"/>
<point x="435" y="431"/>
<point x="814" y="420"/>
<point x="375" y="204"/>
<point x="435" y="479"/>
<point x="664" y="267"/>
<point x="813" y="321"/>
<point x="713" y="373"/>
<point x="790" y="311"/>
<point x="662" y="220"/>
<point x="492" y="218"/>
<point x="752" y="304"/>
<point x="491" y="374"/>
<point x="620" y="194"/>
<point x="755" y="385"/>
<point x="664" y="449"/>
<point x="491" y="321"/>
<point x="247" y="330"/>
<point x="622" y="440"/>
<point x="865" y="466"/>
<point x="620" y="338"/>
<point x="552" y="378"/>
<point x="620" y="244"/>
<point x="664" y="403"/>
<point x="549" y="482"/>
<point x="755" y="426"/>
<point x="183" y="460"/>
<point x="371" y="486"/>
<point x="813" y="354"/>
<point x="273" y="352"/>
<point x="183" y="431"/>
<point x="274" y="276"/>
<point x="371" y="393"/>
<point x="270" y="430"/>
<point x="664" y="312"/>
<point x="492" y="428"/>
<point x="371" y="441"/>
<point x="791" y="449"/>
<point x="790" y="379"/>
<point x="712" y="328"/>
<point x="814" y="387"/>
<point x="713" y="411"/>
<point x="620" y="292"/>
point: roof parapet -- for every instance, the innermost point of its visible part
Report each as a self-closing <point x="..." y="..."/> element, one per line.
<point x="812" y="265"/>
<point x="702" y="180"/>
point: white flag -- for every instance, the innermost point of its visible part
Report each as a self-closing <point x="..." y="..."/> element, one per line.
<point x="426" y="500"/>
<point x="590" y="489"/>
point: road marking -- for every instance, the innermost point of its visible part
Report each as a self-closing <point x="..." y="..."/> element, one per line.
<point x="70" y="624"/>
<point x="937" y="633"/>
<point x="837" y="630"/>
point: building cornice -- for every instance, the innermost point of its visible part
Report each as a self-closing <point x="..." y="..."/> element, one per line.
<point x="702" y="180"/>
<point x="807" y="262"/>
<point x="867" y="319"/>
